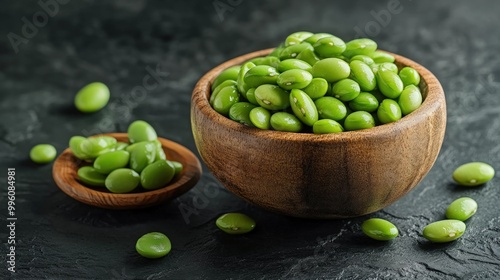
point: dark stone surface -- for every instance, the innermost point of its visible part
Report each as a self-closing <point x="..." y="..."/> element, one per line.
<point x="118" y="41"/>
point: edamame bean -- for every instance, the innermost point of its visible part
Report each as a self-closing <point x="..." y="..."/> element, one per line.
<point x="331" y="69"/>
<point x="283" y="121"/>
<point x="294" y="79"/>
<point x="308" y="56"/>
<point x="330" y="108"/>
<point x="363" y="58"/>
<point x="260" y="118"/>
<point x="74" y="145"/>
<point x="473" y="174"/>
<point x="160" y="153"/>
<point x="358" y="120"/>
<point x="409" y="76"/>
<point x="317" y="88"/>
<point x="142" y="155"/>
<point x="225" y="99"/>
<point x="139" y="131"/>
<point x="325" y="126"/>
<point x="240" y="82"/>
<point x="346" y="90"/>
<point x="389" y="83"/>
<point x="461" y="209"/>
<point x="303" y="107"/>
<point x="444" y="230"/>
<point x="277" y="51"/>
<point x="240" y="112"/>
<point x="314" y="38"/>
<point x="388" y="111"/>
<point x="96" y="146"/>
<point x="235" y="223"/>
<point x="108" y="162"/>
<point x="92" y="98"/>
<point x="250" y="95"/>
<point x="293" y="50"/>
<point x="410" y="99"/>
<point x="379" y="229"/>
<point x="230" y="73"/>
<point x="329" y="46"/>
<point x="381" y="57"/>
<point x="272" y="97"/>
<point x="268" y="60"/>
<point x="363" y="75"/>
<point x="220" y="87"/>
<point x="89" y="176"/>
<point x="157" y="175"/>
<point x="259" y="75"/>
<point x="292" y="63"/>
<point x="177" y="166"/>
<point x="121" y="146"/>
<point x="364" y="102"/>
<point x="389" y="66"/>
<point x="297" y="38"/>
<point x="122" y="180"/>
<point x="361" y="46"/>
<point x="43" y="153"/>
<point x="153" y="245"/>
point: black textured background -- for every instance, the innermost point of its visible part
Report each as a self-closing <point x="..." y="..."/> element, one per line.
<point x="119" y="42"/>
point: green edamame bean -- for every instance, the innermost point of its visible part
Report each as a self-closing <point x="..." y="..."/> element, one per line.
<point x="230" y="73"/>
<point x="139" y="131"/>
<point x="153" y="245"/>
<point x="389" y="66"/>
<point x="43" y="153"/>
<point x="330" y="108"/>
<point x="108" y="162"/>
<point x="259" y="75"/>
<point x="388" y="111"/>
<point x="283" y="121"/>
<point x="329" y="46"/>
<point x="314" y="38"/>
<point x="364" y="102"/>
<point x="331" y="69"/>
<point x="96" y="146"/>
<point x="389" y="83"/>
<point x="74" y="145"/>
<point x="294" y="79"/>
<point x="317" y="88"/>
<point x="293" y="50"/>
<point x="363" y="58"/>
<point x="293" y="63"/>
<point x="444" y="230"/>
<point x="225" y="99"/>
<point x="240" y="82"/>
<point x="235" y="223"/>
<point x="308" y="56"/>
<point x="361" y="46"/>
<point x="303" y="107"/>
<point x="379" y="229"/>
<point x="272" y="97"/>
<point x="157" y="175"/>
<point x="346" y="90"/>
<point x="121" y="146"/>
<point x="268" y="60"/>
<point x="220" y="87"/>
<point x="297" y="38"/>
<point x="325" y="126"/>
<point x="260" y="118"/>
<point x="276" y="52"/>
<point x="410" y="99"/>
<point x="473" y="174"/>
<point x="177" y="166"/>
<point x="142" y="155"/>
<point x="381" y="57"/>
<point x="359" y="120"/>
<point x="363" y="75"/>
<point x="92" y="98"/>
<point x="409" y="76"/>
<point x="89" y="176"/>
<point x="240" y="112"/>
<point x="250" y="95"/>
<point x="122" y="180"/>
<point x="160" y="153"/>
<point x="461" y="209"/>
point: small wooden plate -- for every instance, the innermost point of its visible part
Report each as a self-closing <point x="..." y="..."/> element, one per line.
<point x="65" y="175"/>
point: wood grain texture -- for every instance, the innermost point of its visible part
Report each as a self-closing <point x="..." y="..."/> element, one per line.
<point x="320" y="176"/>
<point x="65" y="175"/>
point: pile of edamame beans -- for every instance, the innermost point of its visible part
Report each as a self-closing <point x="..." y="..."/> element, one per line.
<point x="121" y="167"/>
<point x="317" y="83"/>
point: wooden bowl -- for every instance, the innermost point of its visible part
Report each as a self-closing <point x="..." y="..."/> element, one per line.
<point x="65" y="175"/>
<point x="320" y="176"/>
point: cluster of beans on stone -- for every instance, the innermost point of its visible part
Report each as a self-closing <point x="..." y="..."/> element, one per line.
<point x="317" y="83"/>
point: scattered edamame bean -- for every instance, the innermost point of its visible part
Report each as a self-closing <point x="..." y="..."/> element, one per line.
<point x="92" y="98"/>
<point x="157" y="174"/>
<point x="235" y="223"/>
<point x="139" y="131"/>
<point x="379" y="229"/>
<point x="461" y="209"/>
<point x="90" y="176"/>
<point x="43" y="153"/>
<point x="444" y="230"/>
<point x="122" y="180"/>
<point x="153" y="245"/>
<point x="473" y="174"/>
